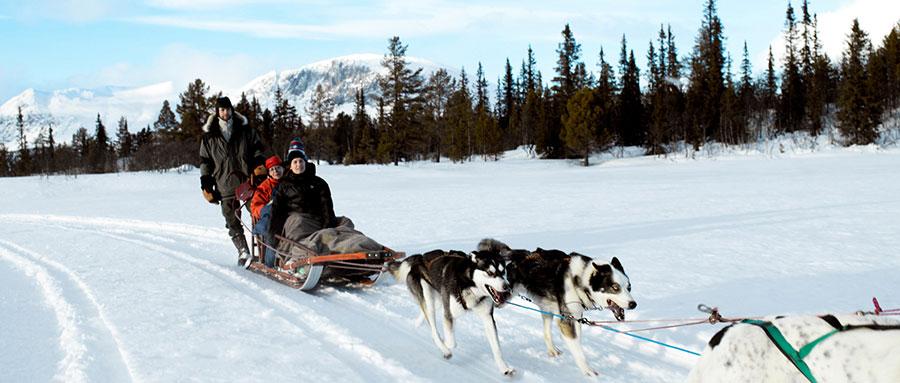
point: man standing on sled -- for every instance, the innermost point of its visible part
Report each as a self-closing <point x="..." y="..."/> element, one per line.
<point x="230" y="152"/>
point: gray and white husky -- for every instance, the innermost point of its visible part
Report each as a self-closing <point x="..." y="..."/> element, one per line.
<point x="463" y="282"/>
<point x="566" y="285"/>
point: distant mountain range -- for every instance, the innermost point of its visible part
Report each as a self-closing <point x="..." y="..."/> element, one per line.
<point x="67" y="110"/>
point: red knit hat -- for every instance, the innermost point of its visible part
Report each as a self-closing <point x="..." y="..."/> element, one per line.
<point x="272" y="162"/>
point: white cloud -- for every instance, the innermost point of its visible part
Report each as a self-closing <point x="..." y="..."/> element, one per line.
<point x="876" y="18"/>
<point x="181" y="64"/>
<point x="408" y="19"/>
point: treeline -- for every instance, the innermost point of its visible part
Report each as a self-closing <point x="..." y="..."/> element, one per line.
<point x="695" y="99"/>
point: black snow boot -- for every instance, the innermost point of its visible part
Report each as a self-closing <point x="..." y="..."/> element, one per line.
<point x="244" y="257"/>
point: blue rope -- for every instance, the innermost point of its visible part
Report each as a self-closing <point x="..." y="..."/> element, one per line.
<point x="606" y="328"/>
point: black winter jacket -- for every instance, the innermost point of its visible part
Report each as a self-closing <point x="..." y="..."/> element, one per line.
<point x="229" y="163"/>
<point x="305" y="194"/>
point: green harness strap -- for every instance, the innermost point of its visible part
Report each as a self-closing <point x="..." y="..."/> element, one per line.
<point x="796" y="357"/>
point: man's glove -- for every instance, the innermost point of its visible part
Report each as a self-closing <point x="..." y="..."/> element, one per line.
<point x="208" y="188"/>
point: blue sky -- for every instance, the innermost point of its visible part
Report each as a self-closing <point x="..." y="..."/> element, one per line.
<point x="53" y="44"/>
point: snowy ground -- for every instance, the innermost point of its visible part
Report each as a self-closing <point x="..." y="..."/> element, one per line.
<point x="124" y="277"/>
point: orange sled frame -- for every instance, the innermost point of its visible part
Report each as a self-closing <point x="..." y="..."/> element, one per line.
<point x="306" y="271"/>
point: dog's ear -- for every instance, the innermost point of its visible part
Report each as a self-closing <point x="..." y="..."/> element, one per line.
<point x="617" y="265"/>
<point x="604" y="270"/>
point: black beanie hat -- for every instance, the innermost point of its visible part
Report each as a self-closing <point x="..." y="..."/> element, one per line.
<point x="223" y="102"/>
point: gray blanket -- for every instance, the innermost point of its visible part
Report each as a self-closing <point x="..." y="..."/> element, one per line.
<point x="334" y="240"/>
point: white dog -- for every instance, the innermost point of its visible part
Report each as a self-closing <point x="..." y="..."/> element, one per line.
<point x="850" y="348"/>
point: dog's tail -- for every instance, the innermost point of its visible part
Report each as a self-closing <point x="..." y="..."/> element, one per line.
<point x="399" y="269"/>
<point x="493" y="245"/>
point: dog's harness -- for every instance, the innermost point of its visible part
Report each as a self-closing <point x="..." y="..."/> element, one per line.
<point x="796" y="356"/>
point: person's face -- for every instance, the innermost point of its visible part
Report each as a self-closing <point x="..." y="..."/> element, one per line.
<point x="224" y="113"/>
<point x="276" y="171"/>
<point x="298" y="165"/>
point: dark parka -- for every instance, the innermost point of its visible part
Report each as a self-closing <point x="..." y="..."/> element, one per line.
<point x="307" y="195"/>
<point x="229" y="163"/>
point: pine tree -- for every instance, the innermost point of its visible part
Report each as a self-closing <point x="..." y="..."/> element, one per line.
<point x="401" y="90"/>
<point x="567" y="80"/>
<point x="263" y="126"/>
<point x="460" y="121"/>
<point x="605" y="97"/>
<point x="193" y="108"/>
<point x="81" y="144"/>
<point x="819" y="84"/>
<point x="124" y="140"/>
<point x="793" y="106"/>
<point x="488" y="141"/>
<point x="166" y="124"/>
<point x="706" y="80"/>
<point x="857" y="114"/>
<point x="733" y="119"/>
<point x="99" y="154"/>
<point x="24" y="166"/>
<point x="51" y="149"/>
<point x="746" y="92"/>
<point x="437" y="96"/>
<point x="507" y="106"/>
<point x="4" y="161"/>
<point x="578" y="123"/>
<point x="363" y="132"/>
<point x="770" y="93"/>
<point x="674" y="93"/>
<point x="631" y="129"/>
<point x="286" y="123"/>
<point x="319" y="110"/>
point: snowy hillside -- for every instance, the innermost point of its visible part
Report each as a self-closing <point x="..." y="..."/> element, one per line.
<point x="69" y="109"/>
<point x="341" y="77"/>
<point x="131" y="277"/>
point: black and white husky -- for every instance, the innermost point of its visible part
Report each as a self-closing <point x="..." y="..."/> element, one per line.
<point x="463" y="282"/>
<point x="567" y="285"/>
<point x="847" y="348"/>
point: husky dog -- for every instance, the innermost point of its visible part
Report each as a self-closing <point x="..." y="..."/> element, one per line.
<point x="567" y="285"/>
<point x="463" y="282"/>
<point x="850" y="349"/>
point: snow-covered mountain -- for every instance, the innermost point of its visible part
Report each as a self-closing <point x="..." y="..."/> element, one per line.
<point x="69" y="109"/>
<point x="340" y="77"/>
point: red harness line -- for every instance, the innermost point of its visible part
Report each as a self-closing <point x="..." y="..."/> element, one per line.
<point x="880" y="311"/>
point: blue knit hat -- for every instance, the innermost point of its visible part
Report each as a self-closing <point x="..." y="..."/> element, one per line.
<point x="296" y="149"/>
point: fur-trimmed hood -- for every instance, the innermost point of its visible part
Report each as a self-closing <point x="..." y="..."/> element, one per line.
<point x="211" y="121"/>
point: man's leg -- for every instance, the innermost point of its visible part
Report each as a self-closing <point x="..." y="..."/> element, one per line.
<point x="231" y="206"/>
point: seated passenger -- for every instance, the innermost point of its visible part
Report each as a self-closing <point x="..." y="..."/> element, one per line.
<point x="263" y="194"/>
<point x="303" y="212"/>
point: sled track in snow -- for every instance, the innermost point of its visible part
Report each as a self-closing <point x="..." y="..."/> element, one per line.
<point x="82" y="287"/>
<point x="290" y="310"/>
<point x="72" y="367"/>
<point x="150" y="235"/>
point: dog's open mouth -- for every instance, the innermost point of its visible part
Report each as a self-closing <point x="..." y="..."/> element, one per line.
<point x="618" y="312"/>
<point x="498" y="297"/>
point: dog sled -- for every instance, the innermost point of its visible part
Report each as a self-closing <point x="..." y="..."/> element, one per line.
<point x="301" y="267"/>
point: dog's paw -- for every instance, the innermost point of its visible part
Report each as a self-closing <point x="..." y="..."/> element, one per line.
<point x="448" y="355"/>
<point x="510" y="371"/>
<point x="590" y="373"/>
<point x="554" y="352"/>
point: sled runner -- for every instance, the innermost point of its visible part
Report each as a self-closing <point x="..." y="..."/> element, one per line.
<point x="303" y="268"/>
